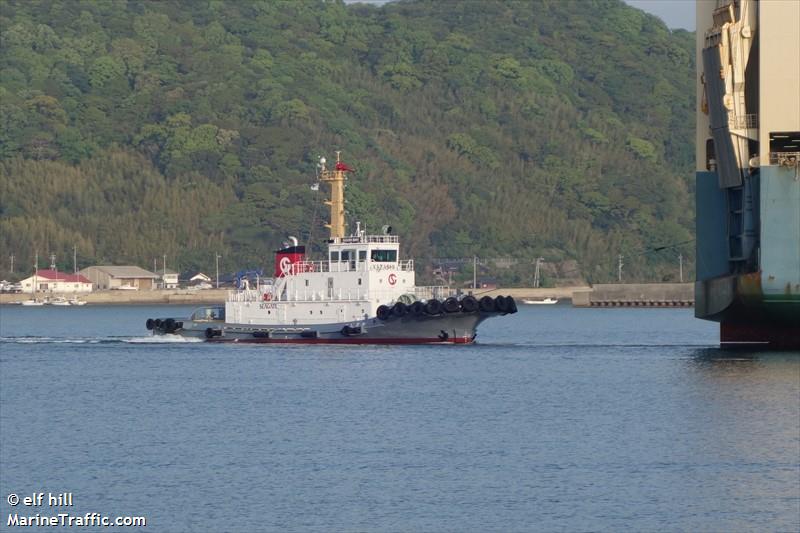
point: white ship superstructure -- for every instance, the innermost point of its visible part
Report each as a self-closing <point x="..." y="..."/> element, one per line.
<point x="360" y="273"/>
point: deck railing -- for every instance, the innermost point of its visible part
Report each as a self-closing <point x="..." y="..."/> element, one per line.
<point x="348" y="295"/>
<point x="302" y="267"/>
<point x="440" y="292"/>
<point x="742" y="122"/>
<point x="784" y="159"/>
<point x="380" y="239"/>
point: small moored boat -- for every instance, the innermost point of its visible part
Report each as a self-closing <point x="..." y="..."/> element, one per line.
<point x="546" y="301"/>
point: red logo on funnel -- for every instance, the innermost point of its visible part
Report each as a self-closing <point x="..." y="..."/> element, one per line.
<point x="392" y="279"/>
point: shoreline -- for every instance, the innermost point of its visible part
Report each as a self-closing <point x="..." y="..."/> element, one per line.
<point x="144" y="297"/>
<point x="579" y="296"/>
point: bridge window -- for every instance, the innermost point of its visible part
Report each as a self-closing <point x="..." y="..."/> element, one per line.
<point x="362" y="255"/>
<point x="334" y="256"/>
<point x="384" y="256"/>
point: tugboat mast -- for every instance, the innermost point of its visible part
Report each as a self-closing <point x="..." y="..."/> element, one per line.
<point x="336" y="179"/>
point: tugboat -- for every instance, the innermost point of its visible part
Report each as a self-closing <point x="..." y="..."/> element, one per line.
<point x="362" y="293"/>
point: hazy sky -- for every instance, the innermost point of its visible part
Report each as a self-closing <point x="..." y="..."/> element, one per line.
<point x="675" y="13"/>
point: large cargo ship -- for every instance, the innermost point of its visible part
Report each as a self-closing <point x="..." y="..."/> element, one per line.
<point x="748" y="173"/>
<point x="362" y="292"/>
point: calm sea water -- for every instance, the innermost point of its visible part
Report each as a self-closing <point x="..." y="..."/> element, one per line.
<point x="559" y="419"/>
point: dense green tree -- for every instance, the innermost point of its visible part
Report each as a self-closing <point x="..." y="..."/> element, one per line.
<point x="134" y="128"/>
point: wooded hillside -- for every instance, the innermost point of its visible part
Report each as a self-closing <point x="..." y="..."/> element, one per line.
<point x="133" y="129"/>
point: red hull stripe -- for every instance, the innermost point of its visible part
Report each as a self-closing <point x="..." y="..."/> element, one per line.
<point x="347" y="340"/>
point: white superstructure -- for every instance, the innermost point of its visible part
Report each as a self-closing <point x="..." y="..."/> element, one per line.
<point x="360" y="273"/>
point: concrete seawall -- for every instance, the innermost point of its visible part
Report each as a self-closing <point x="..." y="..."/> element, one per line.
<point x="186" y="297"/>
<point x="606" y="295"/>
<point x="520" y="293"/>
<point x="636" y="295"/>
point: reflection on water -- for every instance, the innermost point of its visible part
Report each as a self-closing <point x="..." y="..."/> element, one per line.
<point x="743" y="360"/>
<point x="744" y="409"/>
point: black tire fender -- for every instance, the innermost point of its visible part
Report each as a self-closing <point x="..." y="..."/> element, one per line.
<point x="383" y="312"/>
<point x="399" y="309"/>
<point x="469" y="304"/>
<point x="486" y="304"/>
<point x="512" y="304"/>
<point x="501" y="304"/>
<point x="451" y="305"/>
<point x="433" y="307"/>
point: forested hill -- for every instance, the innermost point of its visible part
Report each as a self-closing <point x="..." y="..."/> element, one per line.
<point x="553" y="128"/>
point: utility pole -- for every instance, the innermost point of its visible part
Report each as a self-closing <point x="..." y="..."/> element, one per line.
<point x="75" y="259"/>
<point x="680" y="261"/>
<point x="536" y="274"/>
<point x="474" y="272"/>
<point x="35" y="275"/>
<point x="217" y="257"/>
<point x="12" y="263"/>
<point x="619" y="269"/>
<point x="52" y="261"/>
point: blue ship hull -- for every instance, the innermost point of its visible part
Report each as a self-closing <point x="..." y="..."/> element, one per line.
<point x="748" y="257"/>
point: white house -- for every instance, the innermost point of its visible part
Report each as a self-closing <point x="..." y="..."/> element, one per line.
<point x="195" y="278"/>
<point x="55" y="281"/>
<point x="169" y="279"/>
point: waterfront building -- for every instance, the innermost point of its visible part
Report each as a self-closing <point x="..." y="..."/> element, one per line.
<point x="120" y="277"/>
<point x="52" y="280"/>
